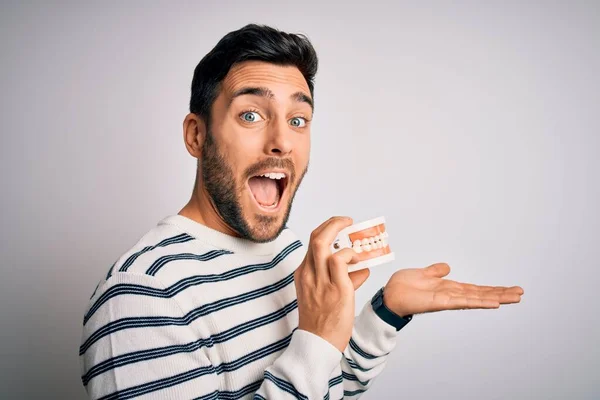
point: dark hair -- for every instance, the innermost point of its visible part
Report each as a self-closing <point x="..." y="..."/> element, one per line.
<point x="252" y="42"/>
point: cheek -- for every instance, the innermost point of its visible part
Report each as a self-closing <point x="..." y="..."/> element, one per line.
<point x="243" y="143"/>
<point x="302" y="152"/>
<point x="237" y="149"/>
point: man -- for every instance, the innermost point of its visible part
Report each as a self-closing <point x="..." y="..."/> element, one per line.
<point x="220" y="301"/>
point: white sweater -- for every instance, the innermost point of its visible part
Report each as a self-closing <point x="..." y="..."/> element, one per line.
<point x="190" y="312"/>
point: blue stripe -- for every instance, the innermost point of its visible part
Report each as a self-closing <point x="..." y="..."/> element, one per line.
<point x="351" y="377"/>
<point x="285" y="386"/>
<point x="230" y="274"/>
<point x="332" y="382"/>
<point x="258" y="396"/>
<point x="211" y="396"/>
<point x="150" y="354"/>
<point x="250" y="388"/>
<point x="181" y="238"/>
<point x="289" y="388"/>
<point x="198" y="372"/>
<point x="234" y="395"/>
<point x="109" y="273"/>
<point x="95" y="290"/>
<point x="255" y="355"/>
<point x="144" y="322"/>
<point x="335" y="381"/>
<point x="356" y="366"/>
<point x="363" y="353"/>
<point x="353" y="392"/>
<point x="183" y="284"/>
<point x="164" y="260"/>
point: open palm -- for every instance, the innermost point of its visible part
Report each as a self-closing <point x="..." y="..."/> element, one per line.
<point x="421" y="290"/>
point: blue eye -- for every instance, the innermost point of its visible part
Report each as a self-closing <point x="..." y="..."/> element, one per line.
<point x="251" y="116"/>
<point x="298" y="122"/>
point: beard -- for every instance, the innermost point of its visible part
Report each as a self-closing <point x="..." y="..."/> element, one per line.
<point x="225" y="192"/>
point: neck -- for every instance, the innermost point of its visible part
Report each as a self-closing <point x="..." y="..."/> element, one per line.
<point x="201" y="209"/>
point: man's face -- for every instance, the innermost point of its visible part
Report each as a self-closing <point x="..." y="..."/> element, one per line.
<point x="260" y="124"/>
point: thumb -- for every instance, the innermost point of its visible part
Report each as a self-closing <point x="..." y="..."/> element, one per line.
<point x="438" y="270"/>
<point x="359" y="277"/>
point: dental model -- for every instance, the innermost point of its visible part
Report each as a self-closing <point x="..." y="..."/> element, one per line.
<point x="369" y="239"/>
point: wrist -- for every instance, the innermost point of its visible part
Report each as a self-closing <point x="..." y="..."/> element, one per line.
<point x="386" y="314"/>
<point x="330" y="337"/>
<point x="387" y="302"/>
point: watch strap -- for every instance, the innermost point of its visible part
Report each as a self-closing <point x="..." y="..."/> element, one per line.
<point x="386" y="314"/>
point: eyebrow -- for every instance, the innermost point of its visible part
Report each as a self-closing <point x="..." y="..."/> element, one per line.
<point x="300" y="97"/>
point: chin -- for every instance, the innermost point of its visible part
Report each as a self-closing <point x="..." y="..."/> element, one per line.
<point x="266" y="228"/>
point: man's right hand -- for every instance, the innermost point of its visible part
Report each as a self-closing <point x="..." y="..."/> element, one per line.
<point x="325" y="289"/>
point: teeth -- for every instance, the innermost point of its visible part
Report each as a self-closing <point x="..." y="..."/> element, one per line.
<point x="379" y="241"/>
<point x="372" y="243"/>
<point x="274" y="175"/>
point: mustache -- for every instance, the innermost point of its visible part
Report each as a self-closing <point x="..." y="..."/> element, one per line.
<point x="273" y="163"/>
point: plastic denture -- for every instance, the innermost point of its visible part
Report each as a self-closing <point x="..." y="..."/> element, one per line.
<point x="369" y="239"/>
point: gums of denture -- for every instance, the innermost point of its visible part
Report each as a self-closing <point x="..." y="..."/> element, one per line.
<point x="372" y="243"/>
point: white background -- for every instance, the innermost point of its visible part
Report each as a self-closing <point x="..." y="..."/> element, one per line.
<point x="471" y="126"/>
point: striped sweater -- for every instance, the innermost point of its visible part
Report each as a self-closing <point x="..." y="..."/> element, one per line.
<point x="192" y="313"/>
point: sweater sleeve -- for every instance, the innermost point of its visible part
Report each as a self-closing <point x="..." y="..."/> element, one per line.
<point x="365" y="356"/>
<point x="136" y="341"/>
<point x="303" y="369"/>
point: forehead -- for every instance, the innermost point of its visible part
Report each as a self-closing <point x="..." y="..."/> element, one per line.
<point x="282" y="79"/>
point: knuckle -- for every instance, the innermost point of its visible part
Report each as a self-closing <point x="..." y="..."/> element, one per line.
<point x="301" y="274"/>
<point x="320" y="252"/>
<point x="313" y="236"/>
<point x="318" y="242"/>
<point x="336" y="260"/>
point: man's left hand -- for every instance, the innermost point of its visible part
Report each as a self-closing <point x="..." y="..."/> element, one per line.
<point x="421" y="290"/>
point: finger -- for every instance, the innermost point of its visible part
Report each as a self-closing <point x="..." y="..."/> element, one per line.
<point x="468" y="287"/>
<point x="320" y="243"/>
<point x="328" y="230"/>
<point x="463" y="303"/>
<point x="348" y="255"/>
<point x="359" y="277"/>
<point x="338" y="265"/>
<point x="509" y="297"/>
<point x="500" y="295"/>
<point x="438" y="270"/>
<point x="506" y="298"/>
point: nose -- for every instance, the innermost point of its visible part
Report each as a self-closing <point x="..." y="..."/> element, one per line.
<point x="279" y="142"/>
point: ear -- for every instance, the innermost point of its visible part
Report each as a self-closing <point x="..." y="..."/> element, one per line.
<point x="194" y="134"/>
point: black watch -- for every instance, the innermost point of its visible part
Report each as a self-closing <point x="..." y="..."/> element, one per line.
<point x="386" y="314"/>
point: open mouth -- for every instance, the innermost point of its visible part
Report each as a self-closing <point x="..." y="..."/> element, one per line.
<point x="268" y="189"/>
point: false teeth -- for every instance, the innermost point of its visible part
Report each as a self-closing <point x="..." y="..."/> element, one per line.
<point x="376" y="242"/>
